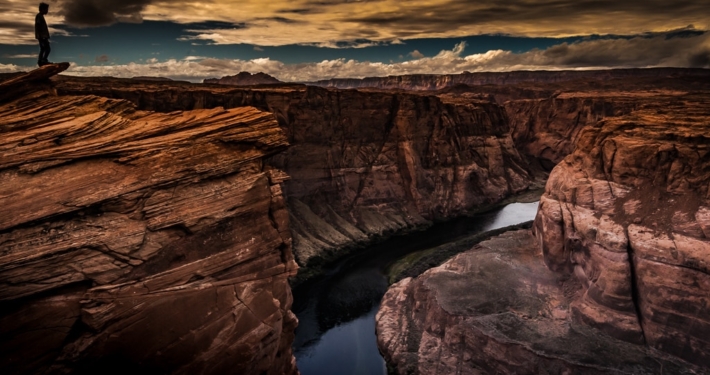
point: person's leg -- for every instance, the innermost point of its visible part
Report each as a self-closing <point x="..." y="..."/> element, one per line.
<point x="48" y="49"/>
<point x="40" y="58"/>
<point x="44" y="50"/>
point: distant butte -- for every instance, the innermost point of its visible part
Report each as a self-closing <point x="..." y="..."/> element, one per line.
<point x="244" y="79"/>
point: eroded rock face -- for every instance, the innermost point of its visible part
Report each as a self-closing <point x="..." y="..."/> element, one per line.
<point x="364" y="164"/>
<point x="626" y="214"/>
<point x="244" y="79"/>
<point x="497" y="309"/>
<point x="141" y="241"/>
<point x="548" y="129"/>
<point x="438" y="82"/>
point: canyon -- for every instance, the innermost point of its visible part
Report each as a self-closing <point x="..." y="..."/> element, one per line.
<point x="613" y="276"/>
<point x="158" y="223"/>
<point x="362" y="165"/>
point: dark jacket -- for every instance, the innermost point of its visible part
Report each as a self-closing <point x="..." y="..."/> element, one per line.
<point x="41" y="29"/>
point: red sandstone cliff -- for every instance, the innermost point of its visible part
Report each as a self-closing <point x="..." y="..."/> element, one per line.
<point x="616" y="280"/>
<point x="627" y="214"/>
<point x="140" y="241"/>
<point x="362" y="164"/>
<point x="441" y="81"/>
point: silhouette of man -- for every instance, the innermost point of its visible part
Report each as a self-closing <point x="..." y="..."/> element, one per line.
<point x="42" y="34"/>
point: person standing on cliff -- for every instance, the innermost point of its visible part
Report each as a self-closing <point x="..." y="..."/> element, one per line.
<point x="42" y="34"/>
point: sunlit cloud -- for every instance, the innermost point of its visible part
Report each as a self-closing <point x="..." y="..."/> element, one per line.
<point x="21" y="56"/>
<point x="416" y="54"/>
<point x="656" y="50"/>
<point x="327" y="23"/>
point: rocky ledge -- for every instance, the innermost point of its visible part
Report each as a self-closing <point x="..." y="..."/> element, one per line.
<point x="134" y="241"/>
<point x="616" y="279"/>
<point x="497" y="309"/>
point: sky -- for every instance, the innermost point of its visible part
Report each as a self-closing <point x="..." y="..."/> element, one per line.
<point x="309" y="40"/>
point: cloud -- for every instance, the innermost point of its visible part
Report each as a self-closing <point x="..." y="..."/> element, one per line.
<point x="259" y="49"/>
<point x="327" y="23"/>
<point x="333" y="22"/>
<point x="416" y="54"/>
<point x="17" y="25"/>
<point x="101" y="59"/>
<point x="84" y="13"/>
<point x="652" y="50"/>
<point x="11" y="68"/>
<point x="21" y="56"/>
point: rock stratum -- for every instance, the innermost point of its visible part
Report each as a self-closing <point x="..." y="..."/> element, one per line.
<point x="514" y="78"/>
<point x="135" y="241"/>
<point x="244" y="79"/>
<point x="363" y="165"/>
<point x="628" y="213"/>
<point x="614" y="278"/>
<point x="497" y="309"/>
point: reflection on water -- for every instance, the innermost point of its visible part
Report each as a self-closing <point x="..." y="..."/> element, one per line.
<point x="336" y="312"/>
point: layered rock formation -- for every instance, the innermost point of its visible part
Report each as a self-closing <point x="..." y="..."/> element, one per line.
<point x="496" y="309"/>
<point x="627" y="214"/>
<point x="438" y="82"/>
<point x="363" y="164"/>
<point x="135" y="241"/>
<point x="619" y="280"/>
<point x="244" y="79"/>
<point x="548" y="129"/>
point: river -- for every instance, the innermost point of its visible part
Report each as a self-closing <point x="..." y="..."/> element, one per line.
<point x="336" y="312"/>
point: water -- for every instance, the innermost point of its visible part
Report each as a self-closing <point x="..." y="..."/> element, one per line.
<point x="336" y="312"/>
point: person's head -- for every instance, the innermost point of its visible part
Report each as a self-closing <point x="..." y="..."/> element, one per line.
<point x="43" y="8"/>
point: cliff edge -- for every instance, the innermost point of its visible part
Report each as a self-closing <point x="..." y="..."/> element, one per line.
<point x="140" y="241"/>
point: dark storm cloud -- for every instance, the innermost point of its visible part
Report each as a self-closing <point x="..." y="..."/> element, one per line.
<point x="300" y="11"/>
<point x="700" y="59"/>
<point x="541" y="14"/>
<point x="83" y="13"/>
<point x="640" y="51"/>
<point x="13" y="25"/>
<point x="279" y="20"/>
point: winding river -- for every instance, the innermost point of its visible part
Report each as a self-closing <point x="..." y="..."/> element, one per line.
<point x="336" y="312"/>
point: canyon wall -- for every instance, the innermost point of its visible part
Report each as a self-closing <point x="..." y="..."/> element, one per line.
<point x="614" y="277"/>
<point x="362" y="164"/>
<point x="497" y="309"/>
<point x="135" y="241"/>
<point x="548" y="129"/>
<point x="438" y="82"/>
<point x="627" y="214"/>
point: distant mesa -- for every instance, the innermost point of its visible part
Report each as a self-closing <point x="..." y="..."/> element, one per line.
<point x="148" y="78"/>
<point x="244" y="79"/>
